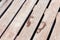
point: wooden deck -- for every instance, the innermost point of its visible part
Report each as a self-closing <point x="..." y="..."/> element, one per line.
<point x="30" y="20"/>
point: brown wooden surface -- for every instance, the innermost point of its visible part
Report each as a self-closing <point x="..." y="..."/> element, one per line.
<point x="29" y="13"/>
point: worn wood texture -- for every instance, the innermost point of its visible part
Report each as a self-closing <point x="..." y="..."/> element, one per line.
<point x="30" y="20"/>
<point x="48" y="20"/>
<point x="7" y="17"/>
<point x="56" y="32"/>
<point x="4" y="5"/>
<point x="33" y="20"/>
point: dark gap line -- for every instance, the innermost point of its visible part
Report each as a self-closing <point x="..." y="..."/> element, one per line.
<point x="25" y="20"/>
<point x="23" y="25"/>
<point x="48" y="3"/>
<point x="59" y="10"/>
<point x="40" y="21"/>
<point x="36" y="27"/>
<point x="6" y="9"/>
<point x="49" y="35"/>
<point x="36" y="2"/>
<point x="0" y="0"/>
<point x="12" y="19"/>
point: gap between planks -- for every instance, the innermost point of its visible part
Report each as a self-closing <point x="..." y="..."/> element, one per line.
<point x="4" y="6"/>
<point x="16" y="24"/>
<point x="48" y="19"/>
<point x="34" y="18"/>
<point x="4" y="21"/>
<point x="56" y="32"/>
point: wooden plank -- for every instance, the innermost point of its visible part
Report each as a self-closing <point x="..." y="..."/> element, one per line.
<point x="56" y="31"/>
<point x="33" y="20"/>
<point x="2" y="2"/>
<point x="16" y="24"/>
<point x="47" y="21"/>
<point x="4" y="21"/>
<point x="3" y="5"/>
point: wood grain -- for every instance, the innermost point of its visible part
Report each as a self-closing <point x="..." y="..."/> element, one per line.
<point x="49" y="17"/>
<point x="4" y="6"/>
<point x="4" y="21"/>
<point x="22" y="19"/>
<point x="16" y="24"/>
<point x="56" y="32"/>
<point x="27" y="31"/>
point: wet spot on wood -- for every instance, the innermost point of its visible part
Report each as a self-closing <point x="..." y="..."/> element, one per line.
<point x="29" y="22"/>
<point x="40" y="29"/>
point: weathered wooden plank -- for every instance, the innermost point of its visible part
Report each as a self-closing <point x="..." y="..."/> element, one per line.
<point x="4" y="21"/>
<point x="47" y="21"/>
<point x="33" y="20"/>
<point x="2" y="2"/>
<point x="56" y="31"/>
<point x="4" y="5"/>
<point x="19" y="20"/>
